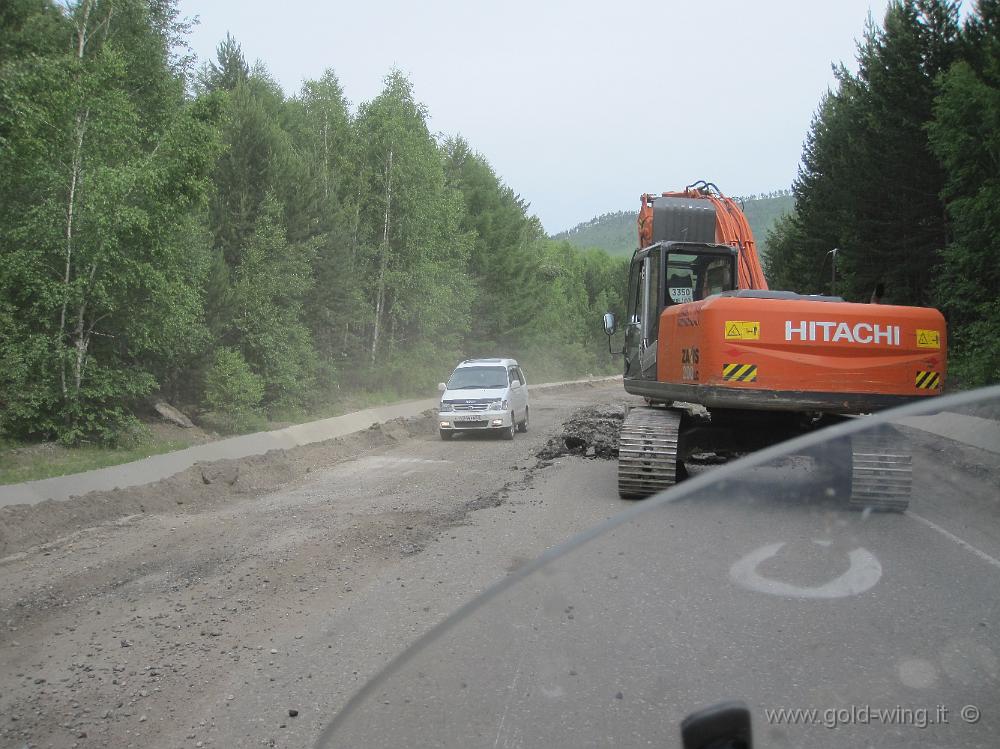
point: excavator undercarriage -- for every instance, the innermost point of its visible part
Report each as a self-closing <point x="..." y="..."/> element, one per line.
<point x="873" y="470"/>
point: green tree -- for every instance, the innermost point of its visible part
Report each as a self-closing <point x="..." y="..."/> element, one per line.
<point x="255" y="161"/>
<point x="271" y="281"/>
<point x="897" y="237"/>
<point x="102" y="165"/>
<point x="233" y="392"/>
<point x="965" y="134"/>
<point x="505" y="262"/>
<point x="412" y="250"/>
<point x="869" y="183"/>
<point x="537" y="299"/>
<point x="799" y="256"/>
<point x="227" y="71"/>
<point x="326" y="211"/>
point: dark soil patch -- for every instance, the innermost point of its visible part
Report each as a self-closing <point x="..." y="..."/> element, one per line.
<point x="591" y="432"/>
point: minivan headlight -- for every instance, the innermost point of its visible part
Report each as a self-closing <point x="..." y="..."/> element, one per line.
<point x="500" y="405"/>
<point x="445" y="406"/>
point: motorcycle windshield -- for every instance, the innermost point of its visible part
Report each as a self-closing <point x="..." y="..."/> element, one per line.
<point x="837" y="625"/>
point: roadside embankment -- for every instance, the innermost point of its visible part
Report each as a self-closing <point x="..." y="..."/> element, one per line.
<point x="157" y="467"/>
<point x="40" y="512"/>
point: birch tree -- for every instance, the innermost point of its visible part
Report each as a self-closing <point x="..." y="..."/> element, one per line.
<point x="325" y="209"/>
<point x="103" y="163"/>
<point x="415" y="254"/>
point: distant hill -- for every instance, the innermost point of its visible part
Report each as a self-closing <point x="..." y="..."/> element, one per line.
<point x="616" y="232"/>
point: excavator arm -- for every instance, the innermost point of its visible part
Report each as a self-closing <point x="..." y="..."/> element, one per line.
<point x="731" y="228"/>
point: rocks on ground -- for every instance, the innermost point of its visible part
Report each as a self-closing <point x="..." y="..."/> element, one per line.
<point x="173" y="415"/>
<point x="591" y="432"/>
<point x="221" y="472"/>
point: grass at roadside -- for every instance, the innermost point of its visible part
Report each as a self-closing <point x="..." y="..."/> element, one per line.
<point x="22" y="461"/>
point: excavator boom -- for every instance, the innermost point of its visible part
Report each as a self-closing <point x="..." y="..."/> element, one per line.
<point x="730" y="227"/>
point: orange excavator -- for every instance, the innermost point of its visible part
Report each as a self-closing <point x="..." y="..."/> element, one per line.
<point x="703" y="328"/>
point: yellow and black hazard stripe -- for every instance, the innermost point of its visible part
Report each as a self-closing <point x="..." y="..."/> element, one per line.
<point x="928" y="381"/>
<point x="739" y="372"/>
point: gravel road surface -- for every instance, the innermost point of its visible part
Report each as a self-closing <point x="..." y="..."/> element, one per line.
<point x="209" y="615"/>
<point x="242" y="604"/>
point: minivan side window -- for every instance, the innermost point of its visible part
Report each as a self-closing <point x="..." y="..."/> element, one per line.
<point x="514" y="376"/>
<point x="520" y="375"/>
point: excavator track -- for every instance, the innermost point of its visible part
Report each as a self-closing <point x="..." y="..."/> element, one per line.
<point x="647" y="452"/>
<point x="881" y="470"/>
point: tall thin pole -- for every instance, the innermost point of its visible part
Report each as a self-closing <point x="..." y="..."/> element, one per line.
<point x="833" y="270"/>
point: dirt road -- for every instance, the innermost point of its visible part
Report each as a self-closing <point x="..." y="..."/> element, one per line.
<point x="214" y="611"/>
<point x="243" y="603"/>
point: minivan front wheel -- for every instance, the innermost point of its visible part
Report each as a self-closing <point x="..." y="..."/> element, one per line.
<point x="508" y="434"/>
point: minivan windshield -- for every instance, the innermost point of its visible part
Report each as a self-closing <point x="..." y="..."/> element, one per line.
<point x="478" y="378"/>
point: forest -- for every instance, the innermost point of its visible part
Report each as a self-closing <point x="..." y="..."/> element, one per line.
<point x="900" y="174"/>
<point x="194" y="234"/>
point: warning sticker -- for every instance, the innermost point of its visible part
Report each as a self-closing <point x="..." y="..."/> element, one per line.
<point x="927" y="381"/>
<point x="928" y="338"/>
<point x="741" y="330"/>
<point x="739" y="372"/>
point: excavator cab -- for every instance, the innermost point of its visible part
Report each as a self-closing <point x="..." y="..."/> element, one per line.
<point x="666" y="274"/>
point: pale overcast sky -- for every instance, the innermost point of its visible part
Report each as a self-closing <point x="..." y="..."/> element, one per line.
<point x="579" y="106"/>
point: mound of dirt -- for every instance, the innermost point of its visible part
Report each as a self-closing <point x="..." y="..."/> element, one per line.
<point x="25" y="526"/>
<point x="591" y="432"/>
<point x="402" y="428"/>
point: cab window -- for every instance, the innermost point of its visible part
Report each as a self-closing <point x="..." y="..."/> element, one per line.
<point x="651" y="297"/>
<point x="691" y="277"/>
<point x="715" y="278"/>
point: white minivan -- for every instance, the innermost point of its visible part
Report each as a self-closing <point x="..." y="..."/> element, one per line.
<point x="484" y="394"/>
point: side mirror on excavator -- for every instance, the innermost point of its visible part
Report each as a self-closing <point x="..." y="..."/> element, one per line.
<point x="610" y="327"/>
